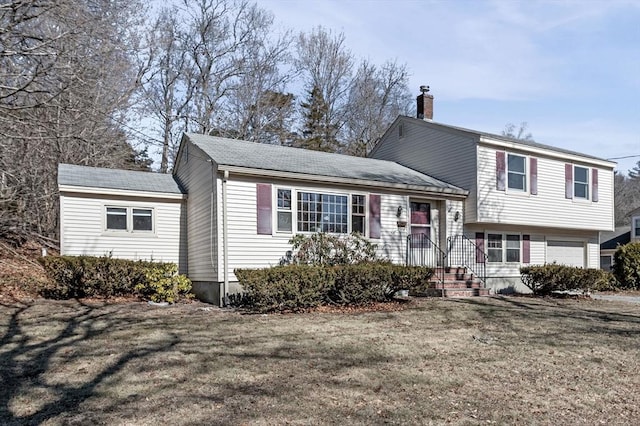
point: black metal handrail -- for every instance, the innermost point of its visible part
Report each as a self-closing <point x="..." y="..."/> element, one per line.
<point x="422" y="251"/>
<point x="462" y="251"/>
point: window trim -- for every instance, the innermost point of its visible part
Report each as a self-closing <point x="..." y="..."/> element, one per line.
<point x="295" y="229"/>
<point x="503" y="247"/>
<point x="129" y="219"/>
<point x="525" y="174"/>
<point x="586" y="183"/>
<point x="634" y="227"/>
<point x="291" y="209"/>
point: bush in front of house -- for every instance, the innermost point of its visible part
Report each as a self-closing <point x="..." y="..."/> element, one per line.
<point x="299" y="287"/>
<point x="328" y="249"/>
<point x="162" y="283"/>
<point x="284" y="288"/>
<point x="90" y="276"/>
<point x="545" y="279"/>
<point x="366" y="283"/>
<point x="626" y="265"/>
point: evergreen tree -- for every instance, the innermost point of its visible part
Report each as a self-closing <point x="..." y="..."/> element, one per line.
<point x="318" y="133"/>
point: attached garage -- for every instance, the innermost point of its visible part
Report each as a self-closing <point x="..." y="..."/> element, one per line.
<point x="571" y="253"/>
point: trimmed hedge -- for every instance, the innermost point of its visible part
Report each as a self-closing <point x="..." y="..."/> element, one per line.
<point x="626" y="265"/>
<point x="89" y="276"/>
<point x="545" y="279"/>
<point x="298" y="287"/>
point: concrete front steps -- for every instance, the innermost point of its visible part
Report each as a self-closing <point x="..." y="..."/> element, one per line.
<point x="457" y="282"/>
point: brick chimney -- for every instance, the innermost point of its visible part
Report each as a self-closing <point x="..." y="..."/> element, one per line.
<point x="425" y="104"/>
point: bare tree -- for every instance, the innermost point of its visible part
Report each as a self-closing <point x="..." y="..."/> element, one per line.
<point x="166" y="91"/>
<point x="66" y="81"/>
<point x="376" y="97"/>
<point x="326" y="66"/>
<point x="517" y="132"/>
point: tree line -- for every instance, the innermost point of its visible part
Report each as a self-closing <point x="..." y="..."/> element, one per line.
<point x="108" y="82"/>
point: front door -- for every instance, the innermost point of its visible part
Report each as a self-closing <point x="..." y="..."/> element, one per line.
<point x="421" y="248"/>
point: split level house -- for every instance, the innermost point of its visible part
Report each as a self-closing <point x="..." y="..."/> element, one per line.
<point x="429" y="194"/>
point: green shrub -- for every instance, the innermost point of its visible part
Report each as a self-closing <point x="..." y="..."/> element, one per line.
<point x="327" y="249"/>
<point x="626" y="265"/>
<point x="545" y="279"/>
<point x="89" y="276"/>
<point x="163" y="283"/>
<point x="296" y="287"/>
<point x="285" y="288"/>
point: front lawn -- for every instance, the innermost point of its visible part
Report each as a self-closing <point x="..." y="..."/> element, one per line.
<point x="470" y="361"/>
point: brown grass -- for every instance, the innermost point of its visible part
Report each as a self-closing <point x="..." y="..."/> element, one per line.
<point x="472" y="361"/>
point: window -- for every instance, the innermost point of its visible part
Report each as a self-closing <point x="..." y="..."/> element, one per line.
<point x="517" y="172"/>
<point x="142" y="220"/>
<point x="358" y="203"/>
<point x="636" y="227"/>
<point x="494" y="247"/>
<point x="420" y="225"/>
<point x="322" y="212"/>
<point x="129" y="219"/>
<point x="284" y="211"/>
<point x="513" y="248"/>
<point x="503" y="248"/>
<point x="117" y="218"/>
<point x="581" y="182"/>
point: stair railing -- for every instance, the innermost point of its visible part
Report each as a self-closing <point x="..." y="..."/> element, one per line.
<point x="422" y="251"/>
<point x="462" y="251"/>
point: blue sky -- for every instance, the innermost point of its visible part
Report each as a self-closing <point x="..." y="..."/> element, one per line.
<point x="570" y="69"/>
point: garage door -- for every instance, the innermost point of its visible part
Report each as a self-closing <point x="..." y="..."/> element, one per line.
<point x="570" y="253"/>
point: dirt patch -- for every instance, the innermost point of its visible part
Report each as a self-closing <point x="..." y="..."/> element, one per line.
<point x="20" y="273"/>
<point x="468" y="361"/>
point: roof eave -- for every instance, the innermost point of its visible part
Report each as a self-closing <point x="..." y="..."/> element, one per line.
<point x="75" y="189"/>
<point x="429" y="190"/>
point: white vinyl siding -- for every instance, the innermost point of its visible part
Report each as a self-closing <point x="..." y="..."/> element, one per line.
<point x="549" y="208"/>
<point x="247" y="249"/>
<point x="447" y="155"/>
<point x="194" y="173"/>
<point x="83" y="224"/>
<point x="504" y="275"/>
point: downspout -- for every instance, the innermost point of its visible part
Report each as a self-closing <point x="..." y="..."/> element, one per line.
<point x="225" y="248"/>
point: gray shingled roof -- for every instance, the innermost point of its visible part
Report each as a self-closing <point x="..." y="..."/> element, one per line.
<point x="96" y="177"/>
<point x="532" y="144"/>
<point x="620" y="236"/>
<point x="231" y="152"/>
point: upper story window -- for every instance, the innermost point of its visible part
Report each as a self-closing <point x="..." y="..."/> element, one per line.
<point x="517" y="172"/>
<point x="129" y="219"/>
<point x="581" y="182"/>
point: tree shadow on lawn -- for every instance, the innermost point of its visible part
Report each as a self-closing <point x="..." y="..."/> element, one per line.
<point x="56" y="363"/>
<point x="556" y="320"/>
<point x="26" y="359"/>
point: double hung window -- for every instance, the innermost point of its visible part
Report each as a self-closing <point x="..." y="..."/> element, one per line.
<point x="581" y="182"/>
<point x="517" y="172"/>
<point x="503" y="248"/>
